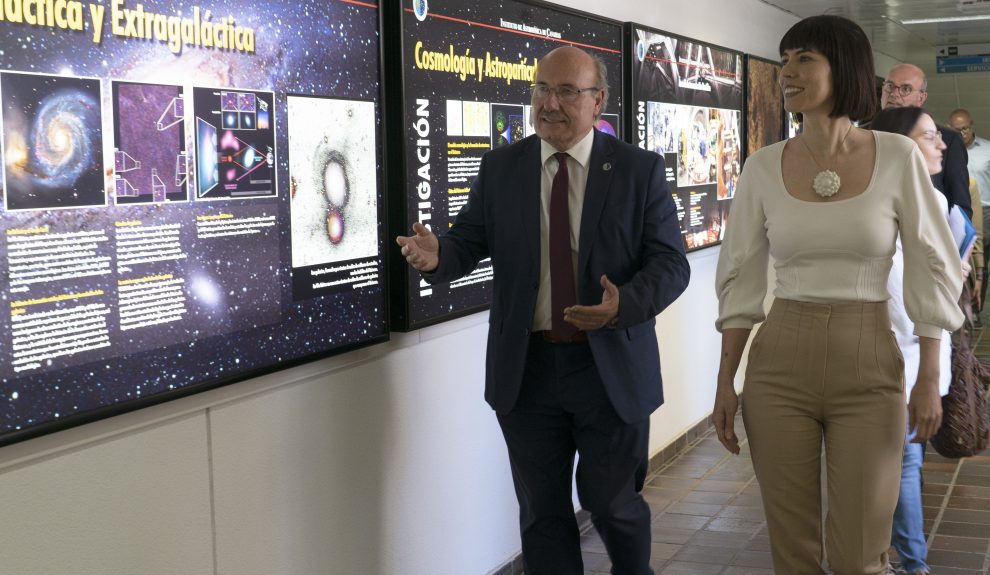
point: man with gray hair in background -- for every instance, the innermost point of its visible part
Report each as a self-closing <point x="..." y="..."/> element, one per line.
<point x="906" y="86"/>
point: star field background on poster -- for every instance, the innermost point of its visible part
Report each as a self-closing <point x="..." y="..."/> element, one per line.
<point x="122" y="286"/>
<point x="465" y="72"/>
<point x="688" y="106"/>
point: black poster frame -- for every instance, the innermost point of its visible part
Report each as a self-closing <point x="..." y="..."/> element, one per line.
<point x="635" y="116"/>
<point x="397" y="138"/>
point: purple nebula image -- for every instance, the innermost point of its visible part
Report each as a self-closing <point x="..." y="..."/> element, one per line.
<point x="228" y="101"/>
<point x="605" y="127"/>
<point x="246" y="102"/>
<point x="150" y="141"/>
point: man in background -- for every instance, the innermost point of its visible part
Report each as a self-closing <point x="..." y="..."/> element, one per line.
<point x="978" y="150"/>
<point x="906" y="86"/>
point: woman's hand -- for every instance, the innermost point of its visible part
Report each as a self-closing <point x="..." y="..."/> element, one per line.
<point x="924" y="410"/>
<point x="726" y="400"/>
<point x="925" y="405"/>
<point x="724" y="416"/>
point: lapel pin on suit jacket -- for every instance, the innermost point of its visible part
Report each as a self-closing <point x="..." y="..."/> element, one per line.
<point x="606" y="166"/>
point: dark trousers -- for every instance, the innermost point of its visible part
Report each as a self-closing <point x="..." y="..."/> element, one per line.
<point x="563" y="409"/>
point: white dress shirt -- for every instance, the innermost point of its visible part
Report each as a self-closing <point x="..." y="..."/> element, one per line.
<point x="979" y="167"/>
<point x="577" y="179"/>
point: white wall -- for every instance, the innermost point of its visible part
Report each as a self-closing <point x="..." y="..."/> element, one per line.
<point x="384" y="460"/>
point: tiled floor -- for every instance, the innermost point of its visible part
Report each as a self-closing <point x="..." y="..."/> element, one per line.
<point x="708" y="516"/>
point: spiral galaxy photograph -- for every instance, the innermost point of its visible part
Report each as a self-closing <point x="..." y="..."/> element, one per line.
<point x="53" y="142"/>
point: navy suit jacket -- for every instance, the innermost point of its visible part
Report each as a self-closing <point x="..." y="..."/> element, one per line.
<point x="629" y="232"/>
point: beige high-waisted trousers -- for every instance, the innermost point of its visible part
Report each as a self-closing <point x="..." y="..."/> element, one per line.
<point x="832" y="373"/>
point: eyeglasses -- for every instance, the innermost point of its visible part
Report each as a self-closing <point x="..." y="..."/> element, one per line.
<point x="965" y="129"/>
<point x="903" y="89"/>
<point x="932" y="136"/>
<point x="568" y="94"/>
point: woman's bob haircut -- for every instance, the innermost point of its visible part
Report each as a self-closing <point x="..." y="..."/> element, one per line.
<point x="850" y="56"/>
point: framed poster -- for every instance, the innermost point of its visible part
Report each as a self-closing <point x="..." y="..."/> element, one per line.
<point x="189" y="199"/>
<point x="687" y="105"/>
<point x="465" y="70"/>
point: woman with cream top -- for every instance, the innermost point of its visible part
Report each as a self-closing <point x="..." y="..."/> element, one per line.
<point x="824" y="368"/>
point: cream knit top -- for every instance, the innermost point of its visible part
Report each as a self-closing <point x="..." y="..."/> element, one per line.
<point x="840" y="251"/>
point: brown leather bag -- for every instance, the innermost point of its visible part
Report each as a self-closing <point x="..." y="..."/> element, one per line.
<point x="965" y="429"/>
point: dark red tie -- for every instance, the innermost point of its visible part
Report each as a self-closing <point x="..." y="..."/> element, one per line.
<point x="562" y="292"/>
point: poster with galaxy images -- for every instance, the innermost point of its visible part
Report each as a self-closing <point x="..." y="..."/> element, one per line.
<point x="688" y="106"/>
<point x="465" y="71"/>
<point x="150" y="161"/>
<point x="764" y="104"/>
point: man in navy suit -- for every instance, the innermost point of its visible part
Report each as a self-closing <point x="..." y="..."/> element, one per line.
<point x="586" y="249"/>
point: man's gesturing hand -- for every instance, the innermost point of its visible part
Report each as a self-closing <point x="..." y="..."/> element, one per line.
<point x="589" y="317"/>
<point x="422" y="250"/>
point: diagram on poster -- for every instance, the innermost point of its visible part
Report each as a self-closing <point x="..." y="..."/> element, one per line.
<point x="149" y="143"/>
<point x="52" y="142"/>
<point x="235" y="144"/>
<point x="332" y="180"/>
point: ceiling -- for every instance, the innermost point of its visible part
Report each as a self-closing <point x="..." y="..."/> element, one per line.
<point x="881" y="21"/>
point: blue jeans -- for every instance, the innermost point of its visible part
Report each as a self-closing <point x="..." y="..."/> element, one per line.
<point x="908" y="535"/>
